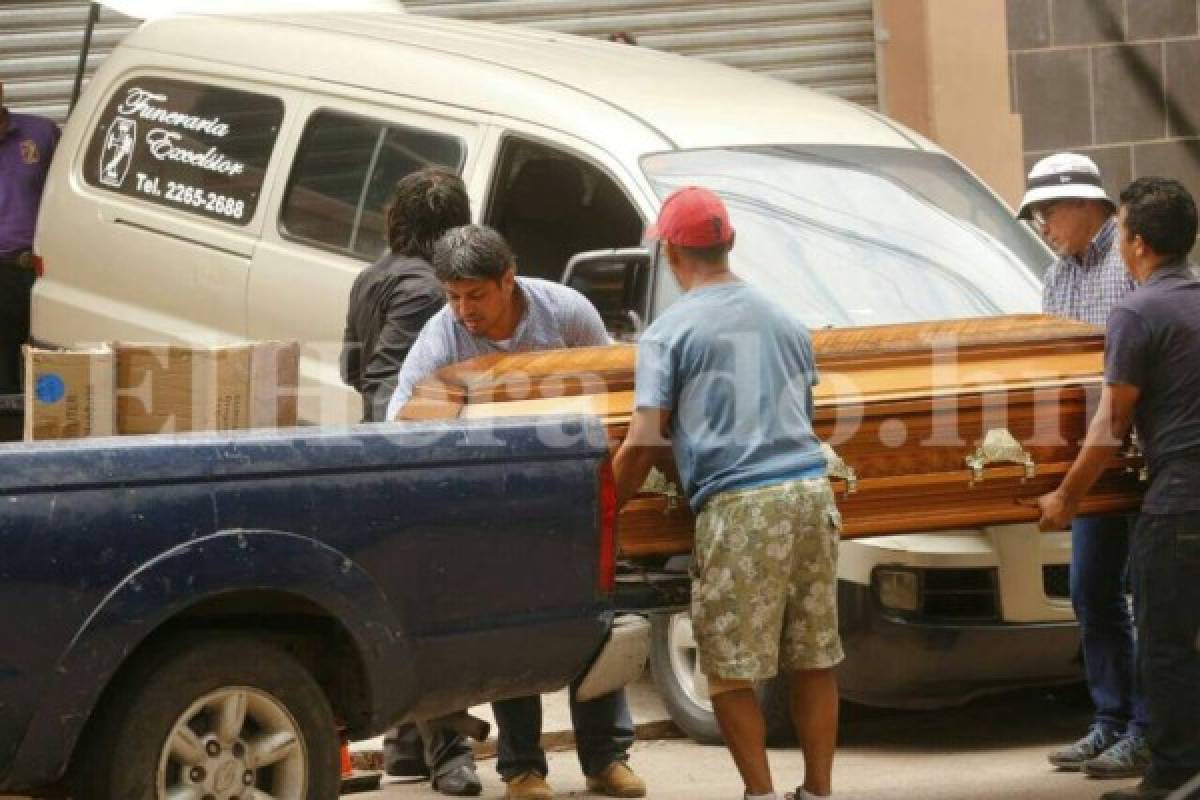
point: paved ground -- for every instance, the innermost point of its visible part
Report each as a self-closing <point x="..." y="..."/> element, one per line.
<point x="991" y="750"/>
<point x="994" y="749"/>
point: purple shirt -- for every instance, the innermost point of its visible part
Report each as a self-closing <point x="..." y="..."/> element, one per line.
<point x="25" y="153"/>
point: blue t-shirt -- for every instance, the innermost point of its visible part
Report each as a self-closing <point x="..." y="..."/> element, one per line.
<point x="737" y="372"/>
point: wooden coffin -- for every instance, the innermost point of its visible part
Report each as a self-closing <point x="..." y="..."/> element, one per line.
<point x="928" y="426"/>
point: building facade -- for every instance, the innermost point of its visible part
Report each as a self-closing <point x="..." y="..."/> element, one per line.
<point x="1115" y="79"/>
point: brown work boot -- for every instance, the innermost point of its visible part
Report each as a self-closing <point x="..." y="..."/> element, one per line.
<point x="617" y="780"/>
<point x="528" y="786"/>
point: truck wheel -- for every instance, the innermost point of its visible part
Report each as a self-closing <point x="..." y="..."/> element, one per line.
<point x="684" y="688"/>
<point x="212" y="717"/>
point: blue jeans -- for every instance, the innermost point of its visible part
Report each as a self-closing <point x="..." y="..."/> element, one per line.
<point x="440" y="750"/>
<point x="603" y="733"/>
<point x="1166" y="572"/>
<point x="1099" y="559"/>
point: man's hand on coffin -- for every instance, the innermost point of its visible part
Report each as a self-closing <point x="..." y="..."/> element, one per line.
<point x="648" y="434"/>
<point x="1106" y="433"/>
<point x="1057" y="511"/>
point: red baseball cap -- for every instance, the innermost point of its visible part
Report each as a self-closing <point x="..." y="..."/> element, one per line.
<point x="692" y="217"/>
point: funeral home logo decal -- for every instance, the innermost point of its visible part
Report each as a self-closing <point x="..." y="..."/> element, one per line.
<point x="117" y="154"/>
<point x="166" y="141"/>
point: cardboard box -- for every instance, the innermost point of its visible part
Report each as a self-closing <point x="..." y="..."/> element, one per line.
<point x="274" y="377"/>
<point x="174" y="388"/>
<point x="69" y="393"/>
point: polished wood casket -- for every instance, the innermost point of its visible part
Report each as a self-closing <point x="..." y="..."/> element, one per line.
<point x="928" y="426"/>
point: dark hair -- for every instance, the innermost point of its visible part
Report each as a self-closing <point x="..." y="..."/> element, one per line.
<point x="623" y="37"/>
<point x="716" y="254"/>
<point x="425" y="205"/>
<point x="1162" y="212"/>
<point x="471" y="253"/>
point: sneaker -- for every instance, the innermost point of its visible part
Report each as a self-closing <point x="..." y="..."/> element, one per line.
<point x="1073" y="756"/>
<point x="462" y="781"/>
<point x="1128" y="758"/>
<point x="617" y="780"/>
<point x="529" y="785"/>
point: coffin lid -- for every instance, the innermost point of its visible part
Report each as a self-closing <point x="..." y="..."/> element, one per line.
<point x="928" y="357"/>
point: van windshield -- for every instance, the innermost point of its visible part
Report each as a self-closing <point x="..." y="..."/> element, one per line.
<point x="849" y="236"/>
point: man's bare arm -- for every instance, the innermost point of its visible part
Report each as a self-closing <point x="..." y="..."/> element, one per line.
<point x="641" y="448"/>
<point x="1107" y="431"/>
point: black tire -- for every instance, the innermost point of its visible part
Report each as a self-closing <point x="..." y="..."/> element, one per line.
<point x="695" y="719"/>
<point x="119" y="756"/>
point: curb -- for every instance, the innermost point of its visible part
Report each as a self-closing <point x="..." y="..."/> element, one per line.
<point x="555" y="741"/>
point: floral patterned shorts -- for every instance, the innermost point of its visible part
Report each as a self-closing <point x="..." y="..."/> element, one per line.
<point x="764" y="581"/>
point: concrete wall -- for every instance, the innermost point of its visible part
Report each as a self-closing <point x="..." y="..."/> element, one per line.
<point x="1118" y="80"/>
<point x="944" y="71"/>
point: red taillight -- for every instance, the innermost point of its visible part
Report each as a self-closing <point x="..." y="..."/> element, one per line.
<point x="39" y="266"/>
<point x="606" y="577"/>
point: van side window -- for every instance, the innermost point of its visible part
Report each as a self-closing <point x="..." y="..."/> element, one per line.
<point x="550" y="205"/>
<point x="199" y="148"/>
<point x="344" y="174"/>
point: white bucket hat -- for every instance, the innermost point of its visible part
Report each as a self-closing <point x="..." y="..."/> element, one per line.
<point x="1062" y="175"/>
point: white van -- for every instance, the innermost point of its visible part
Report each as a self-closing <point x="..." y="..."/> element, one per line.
<point x="223" y="178"/>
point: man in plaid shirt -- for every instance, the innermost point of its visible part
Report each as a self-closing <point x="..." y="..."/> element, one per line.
<point x="1086" y="287"/>
<point x="1066" y="201"/>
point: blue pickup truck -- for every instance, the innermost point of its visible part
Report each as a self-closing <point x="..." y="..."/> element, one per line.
<point x="194" y="616"/>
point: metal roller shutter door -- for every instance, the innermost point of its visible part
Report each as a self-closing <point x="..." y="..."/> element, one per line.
<point x="823" y="44"/>
<point x="39" y="51"/>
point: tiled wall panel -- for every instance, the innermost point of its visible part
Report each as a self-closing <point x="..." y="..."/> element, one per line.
<point x="1118" y="80"/>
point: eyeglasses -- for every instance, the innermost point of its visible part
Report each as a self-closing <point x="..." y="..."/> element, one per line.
<point x="1042" y="215"/>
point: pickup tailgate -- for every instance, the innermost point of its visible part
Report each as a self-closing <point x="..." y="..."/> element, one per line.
<point x="444" y="549"/>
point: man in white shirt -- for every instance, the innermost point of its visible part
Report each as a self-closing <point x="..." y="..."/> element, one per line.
<point x="490" y="309"/>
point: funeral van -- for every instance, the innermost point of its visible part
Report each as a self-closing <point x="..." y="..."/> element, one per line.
<point x="224" y="178"/>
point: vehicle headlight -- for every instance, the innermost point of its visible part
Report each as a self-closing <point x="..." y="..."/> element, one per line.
<point x="898" y="589"/>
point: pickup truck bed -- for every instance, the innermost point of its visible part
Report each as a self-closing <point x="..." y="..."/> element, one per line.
<point x="409" y="570"/>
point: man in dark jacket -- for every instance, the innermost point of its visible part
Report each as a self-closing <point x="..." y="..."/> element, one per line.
<point x="393" y="298"/>
<point x="390" y="302"/>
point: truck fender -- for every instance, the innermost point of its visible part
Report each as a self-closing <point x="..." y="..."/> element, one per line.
<point x="195" y="571"/>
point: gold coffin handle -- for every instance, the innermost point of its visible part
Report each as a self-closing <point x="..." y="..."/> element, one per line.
<point x="1133" y="450"/>
<point x="836" y="467"/>
<point x="656" y="483"/>
<point x="999" y="447"/>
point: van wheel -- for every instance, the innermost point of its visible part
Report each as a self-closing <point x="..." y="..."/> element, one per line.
<point x="684" y="689"/>
<point x="212" y="717"/>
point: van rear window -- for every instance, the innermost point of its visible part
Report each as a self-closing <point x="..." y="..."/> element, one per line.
<point x="344" y="175"/>
<point x="199" y="148"/>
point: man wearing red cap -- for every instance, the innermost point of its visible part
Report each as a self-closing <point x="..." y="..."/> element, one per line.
<point x="727" y="375"/>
